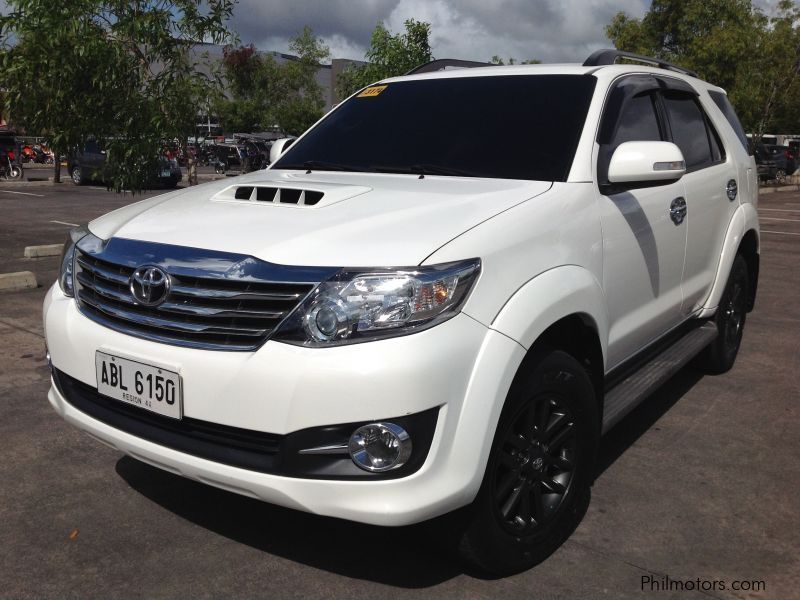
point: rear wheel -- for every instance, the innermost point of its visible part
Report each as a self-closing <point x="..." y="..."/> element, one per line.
<point x="536" y="487"/>
<point x="780" y="176"/>
<point x="731" y="315"/>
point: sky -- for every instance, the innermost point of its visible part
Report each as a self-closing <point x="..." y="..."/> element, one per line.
<point x="548" y="30"/>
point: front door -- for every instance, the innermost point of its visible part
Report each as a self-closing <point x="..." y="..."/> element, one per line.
<point x="644" y="242"/>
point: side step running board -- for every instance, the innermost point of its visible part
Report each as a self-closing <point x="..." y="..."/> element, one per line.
<point x="625" y="396"/>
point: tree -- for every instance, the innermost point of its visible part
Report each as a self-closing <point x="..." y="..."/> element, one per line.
<point x="497" y="60"/>
<point x="729" y="43"/>
<point x="266" y="93"/>
<point x="121" y="71"/>
<point x="388" y="56"/>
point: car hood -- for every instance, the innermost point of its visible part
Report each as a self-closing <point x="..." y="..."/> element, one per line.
<point x="362" y="219"/>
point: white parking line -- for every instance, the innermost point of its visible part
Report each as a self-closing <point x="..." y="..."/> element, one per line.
<point x="65" y="223"/>
<point x="778" y="232"/>
<point x="23" y="193"/>
<point x="777" y="219"/>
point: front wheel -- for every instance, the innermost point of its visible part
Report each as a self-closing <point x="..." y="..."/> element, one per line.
<point x="731" y="315"/>
<point x="77" y="176"/>
<point x="780" y="176"/>
<point x="15" y="172"/>
<point x="537" y="483"/>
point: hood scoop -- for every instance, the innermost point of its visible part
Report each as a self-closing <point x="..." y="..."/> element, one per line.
<point x="322" y="195"/>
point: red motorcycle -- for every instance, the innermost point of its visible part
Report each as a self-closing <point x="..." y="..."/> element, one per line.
<point x="9" y="167"/>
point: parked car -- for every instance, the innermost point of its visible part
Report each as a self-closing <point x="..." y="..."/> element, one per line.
<point x="389" y="331"/>
<point x="775" y="162"/>
<point x="89" y="165"/>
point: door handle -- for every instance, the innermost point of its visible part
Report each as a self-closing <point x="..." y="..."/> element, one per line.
<point x="677" y="210"/>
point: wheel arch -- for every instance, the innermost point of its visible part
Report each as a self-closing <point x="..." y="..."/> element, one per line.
<point x="561" y="309"/>
<point x="743" y="238"/>
<point x="749" y="248"/>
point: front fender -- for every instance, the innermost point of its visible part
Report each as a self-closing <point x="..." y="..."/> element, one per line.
<point x="548" y="298"/>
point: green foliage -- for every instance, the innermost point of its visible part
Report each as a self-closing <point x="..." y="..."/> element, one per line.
<point x="730" y="43"/>
<point x="265" y="93"/>
<point x="120" y="71"/>
<point x="388" y="56"/>
<point x="497" y="60"/>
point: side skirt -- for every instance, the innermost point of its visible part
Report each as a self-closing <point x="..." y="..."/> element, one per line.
<point x="628" y="385"/>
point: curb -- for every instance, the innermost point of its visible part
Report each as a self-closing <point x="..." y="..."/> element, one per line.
<point x="12" y="282"/>
<point x="42" y="251"/>
<point x="782" y="188"/>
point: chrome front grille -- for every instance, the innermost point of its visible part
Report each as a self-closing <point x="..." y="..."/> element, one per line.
<point x="224" y="305"/>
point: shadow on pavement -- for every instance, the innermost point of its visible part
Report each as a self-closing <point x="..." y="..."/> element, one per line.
<point x="643" y="417"/>
<point x="405" y="557"/>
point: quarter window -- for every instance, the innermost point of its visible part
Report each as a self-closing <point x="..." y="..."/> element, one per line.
<point x="722" y="102"/>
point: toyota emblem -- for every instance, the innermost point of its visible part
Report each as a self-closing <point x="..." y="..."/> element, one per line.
<point x="149" y="285"/>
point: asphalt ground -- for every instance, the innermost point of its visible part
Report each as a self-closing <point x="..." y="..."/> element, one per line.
<point x="699" y="484"/>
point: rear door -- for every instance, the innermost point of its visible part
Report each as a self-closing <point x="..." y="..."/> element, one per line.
<point x="711" y="184"/>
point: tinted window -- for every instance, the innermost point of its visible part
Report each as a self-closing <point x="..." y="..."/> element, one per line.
<point x="512" y="127"/>
<point x="722" y="102"/>
<point x="717" y="149"/>
<point x="688" y="129"/>
<point x="638" y="121"/>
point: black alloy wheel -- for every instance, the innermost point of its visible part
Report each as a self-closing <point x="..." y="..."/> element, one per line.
<point x="536" y="487"/>
<point x="537" y="465"/>
<point x="720" y="355"/>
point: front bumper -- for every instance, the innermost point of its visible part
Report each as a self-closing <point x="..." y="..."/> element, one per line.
<point x="460" y="368"/>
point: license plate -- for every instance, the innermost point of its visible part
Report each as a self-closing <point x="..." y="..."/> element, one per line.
<point x="148" y="387"/>
<point x="166" y="172"/>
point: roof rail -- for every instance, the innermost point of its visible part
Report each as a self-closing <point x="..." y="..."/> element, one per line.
<point x="609" y="57"/>
<point x="443" y="63"/>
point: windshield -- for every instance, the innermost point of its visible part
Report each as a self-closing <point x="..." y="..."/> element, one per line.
<point x="508" y="127"/>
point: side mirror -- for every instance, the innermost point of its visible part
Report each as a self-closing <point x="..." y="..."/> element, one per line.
<point x="646" y="161"/>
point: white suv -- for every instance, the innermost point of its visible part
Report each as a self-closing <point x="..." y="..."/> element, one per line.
<point x="438" y="298"/>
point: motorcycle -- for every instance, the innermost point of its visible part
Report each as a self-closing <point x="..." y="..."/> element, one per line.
<point x="10" y="169"/>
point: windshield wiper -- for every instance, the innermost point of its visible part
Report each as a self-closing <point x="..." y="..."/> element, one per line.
<point x="424" y="169"/>
<point x="319" y="165"/>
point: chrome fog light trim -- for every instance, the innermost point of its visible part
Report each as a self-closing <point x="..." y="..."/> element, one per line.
<point x="379" y="447"/>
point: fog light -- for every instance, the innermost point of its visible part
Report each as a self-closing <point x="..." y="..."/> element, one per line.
<point x="380" y="447"/>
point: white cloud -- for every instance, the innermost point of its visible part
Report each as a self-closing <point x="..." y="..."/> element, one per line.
<point x="549" y="30"/>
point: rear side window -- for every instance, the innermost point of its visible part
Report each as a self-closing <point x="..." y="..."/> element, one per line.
<point x="689" y="131"/>
<point x="722" y="102"/>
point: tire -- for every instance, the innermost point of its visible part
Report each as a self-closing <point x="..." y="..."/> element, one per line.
<point x="77" y="176"/>
<point x="731" y="315"/>
<point x="537" y="483"/>
<point x="15" y="172"/>
<point x="780" y="176"/>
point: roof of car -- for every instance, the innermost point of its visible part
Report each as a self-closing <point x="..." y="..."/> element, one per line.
<point x="607" y="72"/>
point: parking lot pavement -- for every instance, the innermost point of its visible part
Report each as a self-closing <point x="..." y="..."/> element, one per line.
<point x="699" y="483"/>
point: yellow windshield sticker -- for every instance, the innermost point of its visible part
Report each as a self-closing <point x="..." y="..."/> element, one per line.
<point x="372" y="91"/>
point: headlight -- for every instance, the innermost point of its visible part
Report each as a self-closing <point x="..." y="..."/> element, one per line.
<point x="361" y="305"/>
<point x="65" y="276"/>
